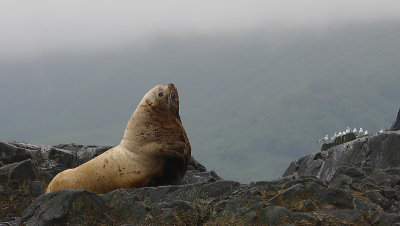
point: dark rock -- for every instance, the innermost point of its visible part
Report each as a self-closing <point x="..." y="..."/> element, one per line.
<point x="10" y="154"/>
<point x="354" y="183"/>
<point x="370" y="152"/>
<point x="194" y="165"/>
<point x="341" y="217"/>
<point x="62" y="157"/>
<point x="366" y="168"/>
<point x="389" y="219"/>
<point x="307" y="206"/>
<point x="83" y="153"/>
<point x="277" y="215"/>
<point x="340" y="181"/>
<point x="18" y="188"/>
<point x="9" y="221"/>
<point x="396" y="124"/>
<point x="376" y="197"/>
<point x="66" y="207"/>
<point x="37" y="188"/>
<point x="192" y="177"/>
<point x="292" y="170"/>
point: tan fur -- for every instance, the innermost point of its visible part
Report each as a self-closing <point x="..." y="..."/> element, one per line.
<point x="154" y="150"/>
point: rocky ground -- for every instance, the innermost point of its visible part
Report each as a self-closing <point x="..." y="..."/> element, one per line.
<point x="354" y="183"/>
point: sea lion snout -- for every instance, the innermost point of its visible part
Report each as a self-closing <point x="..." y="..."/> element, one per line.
<point x="173" y="100"/>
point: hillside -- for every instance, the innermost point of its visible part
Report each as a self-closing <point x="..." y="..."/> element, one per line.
<point x="250" y="102"/>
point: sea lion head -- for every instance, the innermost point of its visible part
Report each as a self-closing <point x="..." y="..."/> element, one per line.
<point x="156" y="122"/>
<point x="163" y="98"/>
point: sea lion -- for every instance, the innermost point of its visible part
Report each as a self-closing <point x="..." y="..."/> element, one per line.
<point x="154" y="150"/>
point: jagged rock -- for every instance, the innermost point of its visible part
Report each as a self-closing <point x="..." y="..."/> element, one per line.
<point x="303" y="201"/>
<point x="83" y="153"/>
<point x="27" y="169"/>
<point x="370" y="153"/>
<point x="357" y="182"/>
<point x="369" y="166"/>
<point x="396" y="124"/>
<point x="21" y="183"/>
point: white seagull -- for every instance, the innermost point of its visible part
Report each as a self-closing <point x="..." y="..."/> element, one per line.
<point x="361" y="132"/>
<point x="355" y="131"/>
<point x="324" y="139"/>
<point x="340" y="134"/>
<point x="334" y="137"/>
<point x="366" y="132"/>
<point x="380" y="131"/>
<point x="347" y="130"/>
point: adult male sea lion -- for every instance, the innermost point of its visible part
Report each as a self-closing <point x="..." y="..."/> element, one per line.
<point x="154" y="151"/>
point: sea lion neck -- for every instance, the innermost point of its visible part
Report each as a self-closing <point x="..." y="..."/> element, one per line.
<point x="148" y="124"/>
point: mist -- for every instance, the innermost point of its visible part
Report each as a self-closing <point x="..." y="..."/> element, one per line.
<point x="259" y="81"/>
<point x="38" y="28"/>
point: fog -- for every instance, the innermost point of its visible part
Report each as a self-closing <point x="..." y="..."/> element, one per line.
<point x="259" y="81"/>
<point x="31" y="28"/>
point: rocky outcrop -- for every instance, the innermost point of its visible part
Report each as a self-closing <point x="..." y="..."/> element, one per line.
<point x="367" y="154"/>
<point x="353" y="183"/>
<point x="369" y="165"/>
<point x="27" y="169"/>
<point x="396" y="124"/>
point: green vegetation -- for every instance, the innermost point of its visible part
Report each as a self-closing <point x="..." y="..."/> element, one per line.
<point x="339" y="140"/>
<point x="250" y="103"/>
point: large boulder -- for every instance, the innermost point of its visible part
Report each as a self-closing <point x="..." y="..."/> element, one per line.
<point x="368" y="154"/>
<point x="369" y="165"/>
<point x="20" y="184"/>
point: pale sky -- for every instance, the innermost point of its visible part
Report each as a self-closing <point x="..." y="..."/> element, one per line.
<point x="38" y="27"/>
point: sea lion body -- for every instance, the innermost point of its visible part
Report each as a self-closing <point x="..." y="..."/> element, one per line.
<point x="154" y="151"/>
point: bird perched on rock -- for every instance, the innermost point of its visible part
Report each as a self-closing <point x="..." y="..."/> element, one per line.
<point x="355" y="131"/>
<point x="324" y="139"/>
<point x="348" y="130"/>
<point x="334" y="136"/>
<point x="381" y="131"/>
<point x="361" y="131"/>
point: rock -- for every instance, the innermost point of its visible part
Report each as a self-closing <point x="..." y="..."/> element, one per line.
<point x="194" y="165"/>
<point x="20" y="184"/>
<point x="339" y="140"/>
<point x="27" y="169"/>
<point x="396" y="124"/>
<point x="367" y="168"/>
<point x="83" y="153"/>
<point x="357" y="183"/>
<point x="375" y="152"/>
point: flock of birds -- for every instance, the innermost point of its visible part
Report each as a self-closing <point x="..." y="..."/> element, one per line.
<point x="358" y="133"/>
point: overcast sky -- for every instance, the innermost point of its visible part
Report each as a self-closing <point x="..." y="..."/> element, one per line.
<point x="38" y="27"/>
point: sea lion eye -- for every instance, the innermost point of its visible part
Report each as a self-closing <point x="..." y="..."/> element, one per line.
<point x="160" y="94"/>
